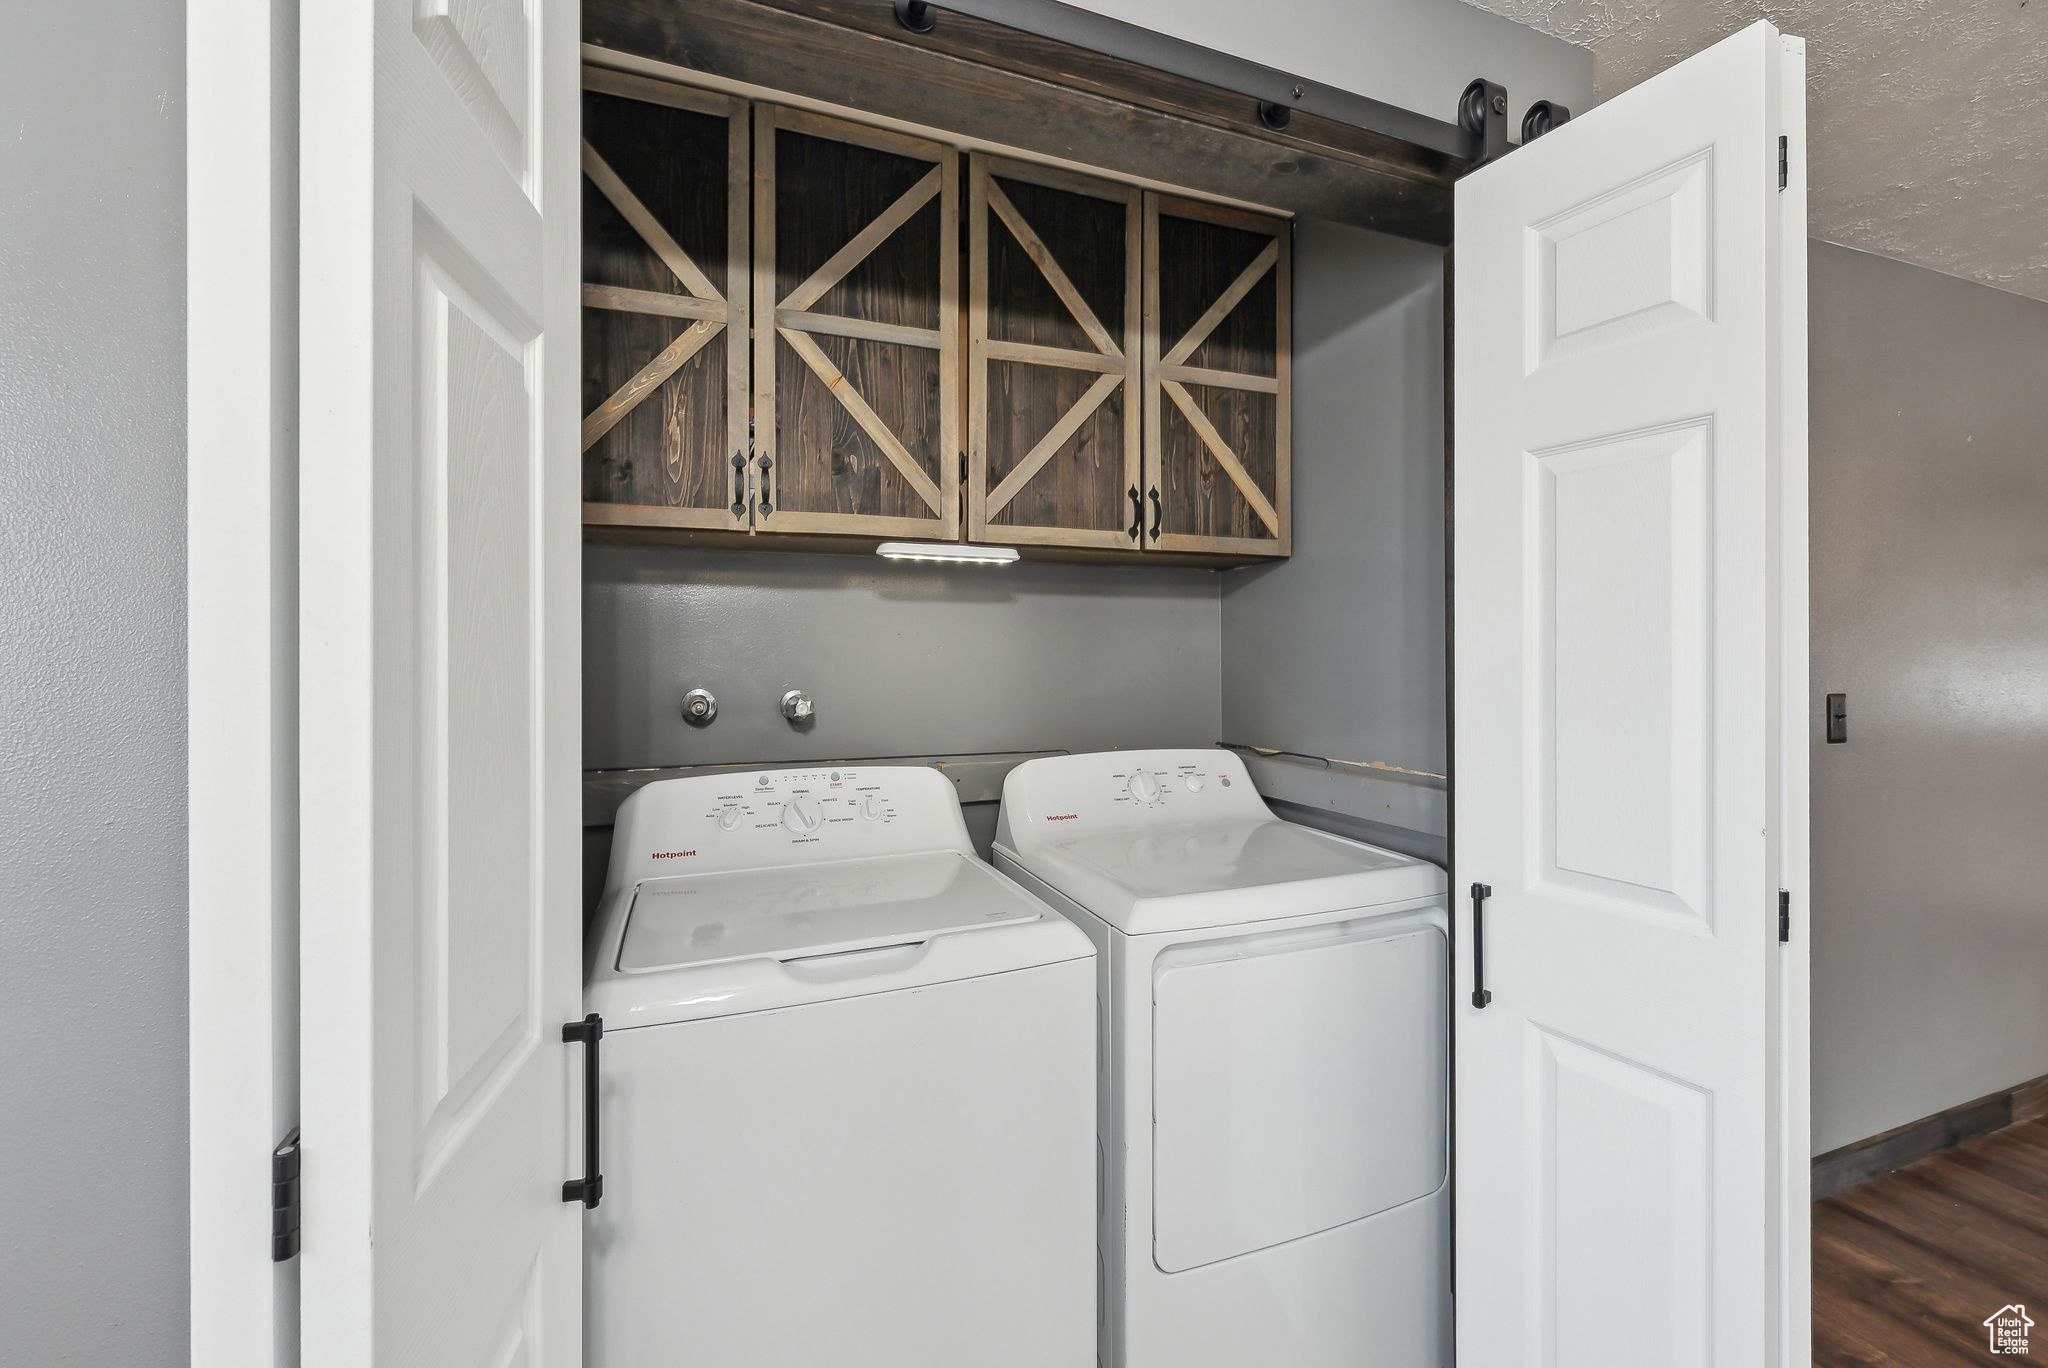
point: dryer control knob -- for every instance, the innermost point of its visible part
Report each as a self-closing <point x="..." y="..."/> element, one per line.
<point x="1144" y="787"/>
<point x="802" y="815"/>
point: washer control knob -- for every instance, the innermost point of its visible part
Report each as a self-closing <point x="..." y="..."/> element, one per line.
<point x="728" y="817"/>
<point x="871" y="806"/>
<point x="797" y="707"/>
<point x="1194" y="782"/>
<point x="802" y="815"/>
<point x="1144" y="787"/>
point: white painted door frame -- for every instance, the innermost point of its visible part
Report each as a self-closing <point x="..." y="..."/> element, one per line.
<point x="241" y="83"/>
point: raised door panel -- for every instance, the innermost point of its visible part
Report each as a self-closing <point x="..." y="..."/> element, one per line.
<point x="485" y="53"/>
<point x="665" y="305"/>
<point x="1218" y="307"/>
<point x="857" y="309"/>
<point x="1054" y="281"/>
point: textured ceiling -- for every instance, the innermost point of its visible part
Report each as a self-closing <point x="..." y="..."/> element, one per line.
<point x="1927" y="121"/>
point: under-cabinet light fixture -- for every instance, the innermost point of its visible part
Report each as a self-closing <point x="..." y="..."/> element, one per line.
<point x="947" y="551"/>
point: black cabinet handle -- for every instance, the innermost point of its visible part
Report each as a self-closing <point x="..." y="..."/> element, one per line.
<point x="1154" y="493"/>
<point x="739" y="484"/>
<point x="1137" y="514"/>
<point x="1481" y="994"/>
<point x="767" y="504"/>
<point x="589" y="1189"/>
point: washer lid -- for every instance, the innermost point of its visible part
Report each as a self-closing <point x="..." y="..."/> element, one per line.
<point x="1182" y="876"/>
<point x="741" y="941"/>
<point x="799" y="912"/>
<point x="1168" y="862"/>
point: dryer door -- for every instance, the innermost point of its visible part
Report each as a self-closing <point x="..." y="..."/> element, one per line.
<point x="1298" y="1085"/>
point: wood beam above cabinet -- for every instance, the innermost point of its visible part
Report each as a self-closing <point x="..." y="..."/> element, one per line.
<point x="998" y="87"/>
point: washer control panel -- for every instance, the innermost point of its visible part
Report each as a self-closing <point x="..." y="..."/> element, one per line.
<point x="745" y="819"/>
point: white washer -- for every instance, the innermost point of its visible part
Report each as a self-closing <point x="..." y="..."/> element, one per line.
<point x="1273" y="1089"/>
<point x="847" y="1105"/>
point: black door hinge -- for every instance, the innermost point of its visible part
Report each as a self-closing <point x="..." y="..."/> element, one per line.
<point x="1784" y="915"/>
<point x="284" y="1198"/>
<point x="1784" y="161"/>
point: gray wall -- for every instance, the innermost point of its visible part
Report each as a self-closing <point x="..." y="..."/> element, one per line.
<point x="1930" y="610"/>
<point x="902" y="658"/>
<point x="92" y="684"/>
<point x="1339" y="651"/>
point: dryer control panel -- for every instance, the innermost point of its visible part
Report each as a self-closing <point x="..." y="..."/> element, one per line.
<point x="745" y="819"/>
<point x="1069" y="793"/>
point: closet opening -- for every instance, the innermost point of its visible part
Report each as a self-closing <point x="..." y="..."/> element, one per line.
<point x="1181" y="349"/>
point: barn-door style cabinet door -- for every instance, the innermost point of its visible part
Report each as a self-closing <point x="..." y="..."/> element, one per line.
<point x="856" y="329"/>
<point x="665" y="326"/>
<point x="1055" y="276"/>
<point x="1217" y="319"/>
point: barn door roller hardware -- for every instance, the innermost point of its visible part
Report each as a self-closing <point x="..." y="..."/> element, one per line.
<point x="1480" y="134"/>
<point x="1273" y="96"/>
<point x="1483" y="113"/>
<point x="1541" y="118"/>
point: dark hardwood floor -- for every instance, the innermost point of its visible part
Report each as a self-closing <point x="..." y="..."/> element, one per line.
<point x="1907" y="1266"/>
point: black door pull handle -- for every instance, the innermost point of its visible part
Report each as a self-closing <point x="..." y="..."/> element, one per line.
<point x="1481" y="994"/>
<point x="1153" y="493"/>
<point x="1137" y="514"/>
<point x="589" y="1189"/>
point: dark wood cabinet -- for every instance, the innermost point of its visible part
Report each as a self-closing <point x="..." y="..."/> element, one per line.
<point x="1217" y="314"/>
<point x="856" y="344"/>
<point x="1054" y="298"/>
<point x="665" y="296"/>
<point x="787" y="335"/>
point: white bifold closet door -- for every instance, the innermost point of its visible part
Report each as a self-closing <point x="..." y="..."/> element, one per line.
<point x="439" y="622"/>
<point x="1630" y="748"/>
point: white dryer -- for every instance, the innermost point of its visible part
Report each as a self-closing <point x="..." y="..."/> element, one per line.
<point x="846" y="1087"/>
<point x="1273" y="1090"/>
